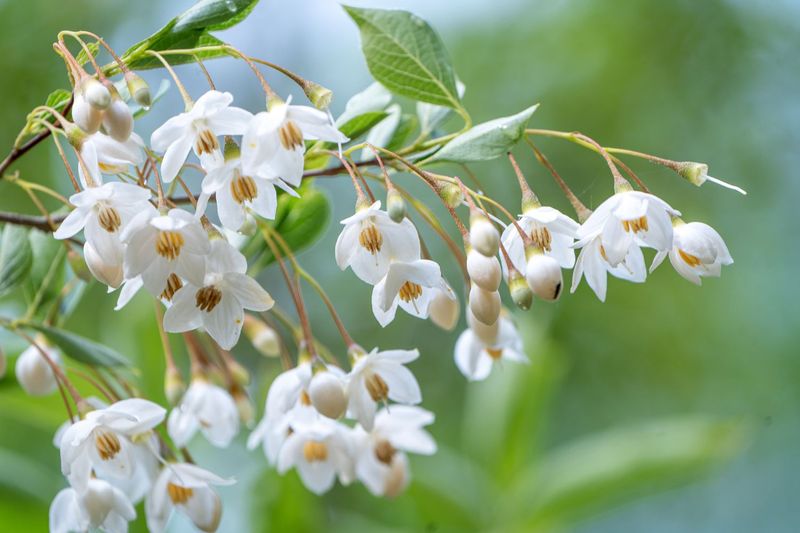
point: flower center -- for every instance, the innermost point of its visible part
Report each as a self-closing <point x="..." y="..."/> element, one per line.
<point x="410" y="291"/>
<point x="174" y="284"/>
<point x="290" y="135"/>
<point x="108" y="217"/>
<point x="377" y="388"/>
<point x="107" y="444"/>
<point x="541" y="237"/>
<point x="243" y="188"/>
<point x="169" y="244"/>
<point x="689" y="259"/>
<point x="179" y="494"/>
<point x="315" y="451"/>
<point x="640" y="224"/>
<point x="305" y="399"/>
<point x="370" y="238"/>
<point x="494" y="353"/>
<point x="207" y="298"/>
<point x="206" y="142"/>
<point x="384" y="451"/>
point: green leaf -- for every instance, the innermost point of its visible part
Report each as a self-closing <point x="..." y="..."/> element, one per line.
<point x="15" y="257"/>
<point x="58" y="99"/>
<point x="44" y="282"/>
<point x="358" y="126"/>
<point x="408" y="124"/>
<point x="214" y="15"/>
<point x="431" y="116"/>
<point x="80" y="348"/>
<point x="487" y="140"/>
<point x="406" y="55"/>
<point x="82" y="58"/>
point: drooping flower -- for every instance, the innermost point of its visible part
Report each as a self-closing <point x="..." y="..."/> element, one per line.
<point x="198" y="129"/>
<point x="377" y="377"/>
<point x="34" y="373"/>
<point x="187" y="488"/>
<point x="218" y="301"/>
<point x="103" y="155"/>
<point x="370" y="241"/>
<point x="475" y="357"/>
<point x="411" y="285"/>
<point x="550" y="230"/>
<point x="99" y="506"/>
<point x="593" y="264"/>
<point x="697" y="251"/>
<point x="208" y="408"/>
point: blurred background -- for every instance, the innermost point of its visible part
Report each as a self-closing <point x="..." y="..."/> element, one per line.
<point x="597" y="434"/>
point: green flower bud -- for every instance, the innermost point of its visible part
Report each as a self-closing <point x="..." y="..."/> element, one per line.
<point x="521" y="293"/>
<point x="139" y="90"/>
<point x="318" y="95"/>
<point x="395" y="206"/>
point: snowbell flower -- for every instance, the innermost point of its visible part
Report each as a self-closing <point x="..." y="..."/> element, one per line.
<point x="484" y="305"/>
<point x="99" y="506"/>
<point x="90" y="101"/>
<point x="160" y="245"/>
<point x="103" y="441"/>
<point x="102" y="212"/>
<point x="198" y="128"/>
<point x="326" y="390"/>
<point x="593" y="264"/>
<point x="34" y="373"/>
<point x="410" y="285"/>
<point x="208" y="408"/>
<point x="550" y="230"/>
<point x="543" y="275"/>
<point x="320" y="451"/>
<point x="627" y="219"/>
<point x="697" y="251"/>
<point x="444" y="310"/>
<point x="218" y="302"/>
<point x="273" y="144"/>
<point x="370" y="241"/>
<point x="377" y="377"/>
<point x="381" y="462"/>
<point x="475" y="357"/>
<point x="108" y="271"/>
<point x="483" y="236"/>
<point x="187" y="488"/>
<point x="103" y="155"/>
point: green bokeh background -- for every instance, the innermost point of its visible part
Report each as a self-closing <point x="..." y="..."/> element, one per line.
<point x="714" y="81"/>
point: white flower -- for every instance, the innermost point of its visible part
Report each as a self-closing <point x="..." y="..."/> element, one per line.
<point x="33" y="371"/>
<point x="100" y="506"/>
<point x="237" y="192"/>
<point x="381" y="463"/>
<point x="444" y="310"/>
<point x="320" y="451"/>
<point x="103" y="155"/>
<point x="379" y="377"/>
<point x="483" y="236"/>
<point x="108" y="271"/>
<point x="161" y="245"/>
<point x="185" y="487"/>
<point x="370" y="241"/>
<point x="273" y="144"/>
<point x="102" y="441"/>
<point x="484" y="305"/>
<point x="475" y="357"/>
<point x="549" y="229"/>
<point x="198" y="128"/>
<point x="102" y="212"/>
<point x="327" y="392"/>
<point x="697" y="251"/>
<point x="484" y="271"/>
<point x="90" y="101"/>
<point x="544" y="276"/>
<point x="412" y="286"/>
<point x="627" y="219"/>
<point x="206" y="407"/>
<point x="217" y="303"/>
<point x="593" y="264"/>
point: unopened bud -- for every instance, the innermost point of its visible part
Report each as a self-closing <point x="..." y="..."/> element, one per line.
<point x="240" y="375"/>
<point x="247" y="412"/>
<point x="397" y="478"/>
<point x="485" y="305"/>
<point x="484" y="271"/>
<point x="354" y="352"/>
<point x="139" y="90"/>
<point x="395" y="206"/>
<point x="87" y="117"/>
<point x="520" y="291"/>
<point x="34" y="372"/>
<point x="174" y="386"/>
<point x="451" y="194"/>
<point x="483" y="236"/>
<point x="485" y="332"/>
<point x="318" y="95"/>
<point x="326" y="391"/>
<point x="96" y="94"/>
<point x="107" y="272"/>
<point x="543" y="275"/>
<point x="444" y="311"/>
<point x="118" y="120"/>
<point x="694" y="173"/>
<point x="263" y="338"/>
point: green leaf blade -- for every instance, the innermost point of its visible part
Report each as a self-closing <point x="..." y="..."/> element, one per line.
<point x="80" y="348"/>
<point x="16" y="257"/>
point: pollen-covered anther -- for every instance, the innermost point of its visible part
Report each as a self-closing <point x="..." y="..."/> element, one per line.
<point x="377" y="388"/>
<point x="179" y="494"/>
<point x="290" y="135"/>
<point x="370" y="238"/>
<point x="243" y="189"/>
<point x="315" y="451"/>
<point x="635" y="226"/>
<point x="541" y="237"/>
<point x="169" y="244"/>
<point x="174" y="284"/>
<point x="107" y="444"/>
<point x="689" y="259"/>
<point x="305" y="399"/>
<point x="206" y="142"/>
<point x="207" y="298"/>
<point x="384" y="451"/>
<point x="494" y="353"/>
<point x="109" y="218"/>
<point x="410" y="291"/>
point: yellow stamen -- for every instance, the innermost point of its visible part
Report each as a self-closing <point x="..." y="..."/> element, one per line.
<point x="179" y="494"/>
<point x="410" y="291"/>
<point x="107" y="444"/>
<point x="377" y="388"/>
<point x="207" y="298"/>
<point x="174" y="284"/>
<point x="109" y="218"/>
<point x="315" y="451"/>
<point x="243" y="188"/>
<point x="384" y="451"/>
<point x="206" y="142"/>
<point x="635" y="226"/>
<point x="290" y="135"/>
<point x="169" y="244"/>
<point x="690" y="259"/>
<point x="494" y="353"/>
<point x="541" y="237"/>
<point x="370" y="238"/>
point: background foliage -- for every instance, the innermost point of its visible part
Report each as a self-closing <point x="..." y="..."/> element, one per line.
<point x="648" y="391"/>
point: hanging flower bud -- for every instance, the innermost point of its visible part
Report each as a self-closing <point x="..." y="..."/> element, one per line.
<point x="109" y="273"/>
<point x="239" y="373"/>
<point x="33" y="370"/>
<point x="444" y="311"/>
<point x="451" y="194"/>
<point x="244" y="406"/>
<point x="520" y="291"/>
<point x="483" y="236"/>
<point x="485" y="332"/>
<point x="263" y="337"/>
<point x="138" y="89"/>
<point x="484" y="271"/>
<point x="544" y="276"/>
<point x="395" y="206"/>
<point x="697" y="174"/>
<point x="485" y="305"/>
<point x="318" y="95"/>
<point x="174" y="386"/>
<point x="96" y="94"/>
<point x="90" y="101"/>
<point x="118" y="119"/>
<point x="327" y="394"/>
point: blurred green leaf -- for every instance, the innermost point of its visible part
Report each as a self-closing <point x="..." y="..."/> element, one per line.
<point x="46" y="272"/>
<point x="406" y="55"/>
<point x="487" y="140"/>
<point x="358" y="126"/>
<point x="15" y="257"/>
<point x="80" y="348"/>
<point x="82" y="58"/>
<point x="23" y="475"/>
<point x="431" y="116"/>
<point x="407" y="125"/>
